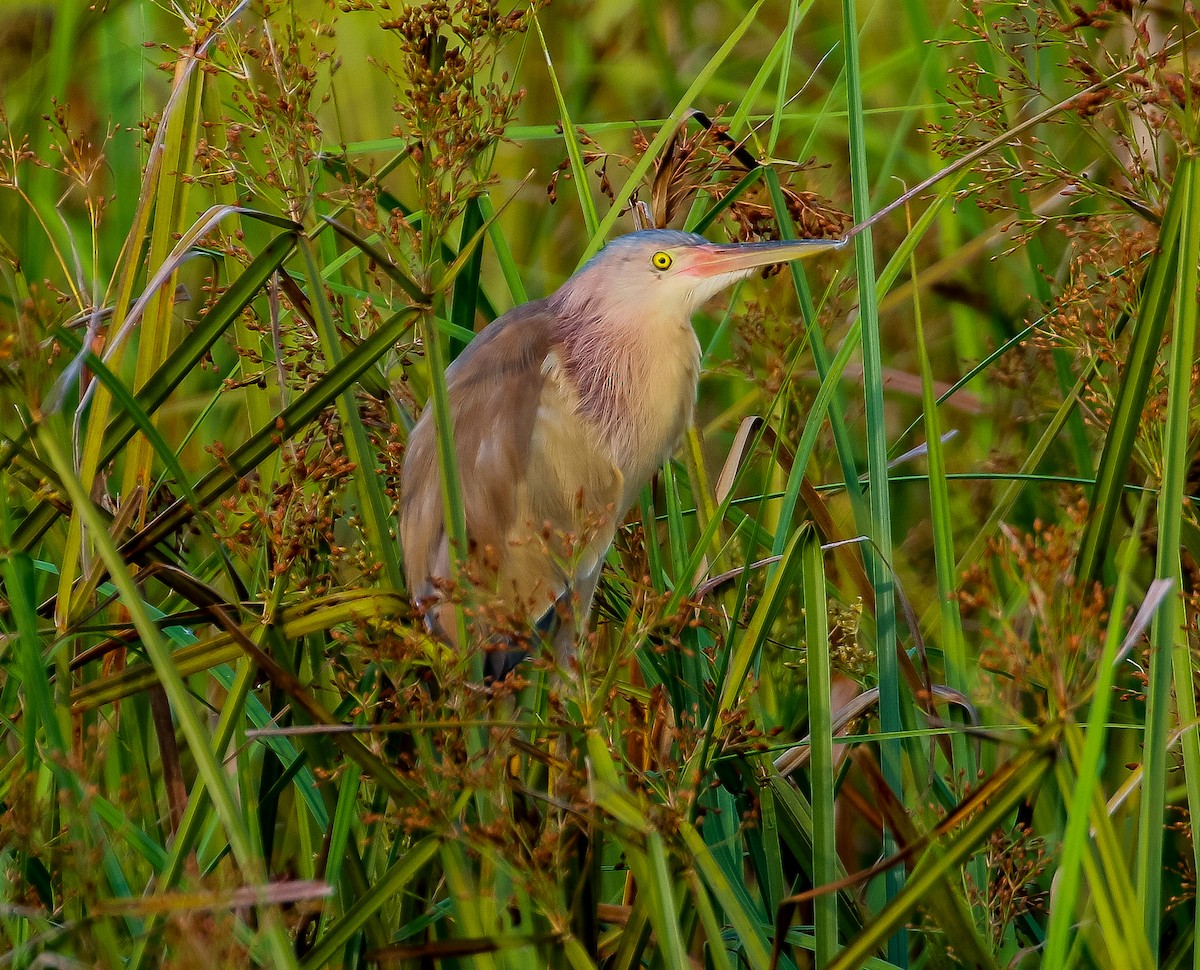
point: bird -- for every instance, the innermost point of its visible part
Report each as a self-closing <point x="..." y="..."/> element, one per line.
<point x="561" y="410"/>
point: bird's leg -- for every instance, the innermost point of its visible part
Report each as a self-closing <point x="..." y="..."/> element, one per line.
<point x="574" y="610"/>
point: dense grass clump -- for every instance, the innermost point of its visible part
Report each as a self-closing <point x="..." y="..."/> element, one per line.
<point x="937" y="506"/>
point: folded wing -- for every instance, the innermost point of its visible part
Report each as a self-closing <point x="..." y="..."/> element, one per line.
<point x="539" y="487"/>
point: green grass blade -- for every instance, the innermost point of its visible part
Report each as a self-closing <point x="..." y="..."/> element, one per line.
<point x="40" y="710"/>
<point x="1001" y="794"/>
<point x="750" y="641"/>
<point x="958" y="669"/>
<point x="837" y="407"/>
<point x="877" y="462"/>
<point x="508" y="264"/>
<point x="344" y="828"/>
<point x="373" y="507"/>
<point x="750" y="934"/>
<point x="1173" y="517"/>
<point x="1181" y="249"/>
<point x="466" y="285"/>
<point x="198" y="738"/>
<point x="219" y="319"/>
<point x="1148" y="327"/>
<point x="820" y="728"/>
<point x="172" y="191"/>
<point x="186" y="356"/>
<point x="455" y="513"/>
<point x="382" y="890"/>
<point x="196" y="815"/>
<point x="579" y="174"/>
<point x="953" y="642"/>
<point x="1087" y="777"/>
<point x="715" y="950"/>
<point x="124" y="281"/>
<point x="267" y="440"/>
<point x="659" y="886"/>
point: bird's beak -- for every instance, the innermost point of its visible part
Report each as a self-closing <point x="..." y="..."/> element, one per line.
<point x="717" y="260"/>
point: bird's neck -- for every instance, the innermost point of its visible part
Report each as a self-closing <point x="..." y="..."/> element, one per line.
<point x="636" y="379"/>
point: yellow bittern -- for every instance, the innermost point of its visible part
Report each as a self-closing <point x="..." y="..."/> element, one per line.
<point x="561" y="410"/>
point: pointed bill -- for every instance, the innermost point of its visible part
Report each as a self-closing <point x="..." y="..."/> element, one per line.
<point x="717" y="260"/>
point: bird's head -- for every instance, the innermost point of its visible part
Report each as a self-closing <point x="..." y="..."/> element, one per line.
<point x="670" y="273"/>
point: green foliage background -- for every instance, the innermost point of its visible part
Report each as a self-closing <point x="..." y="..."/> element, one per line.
<point x="937" y="502"/>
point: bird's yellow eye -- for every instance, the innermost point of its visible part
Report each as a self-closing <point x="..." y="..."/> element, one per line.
<point x="661" y="260"/>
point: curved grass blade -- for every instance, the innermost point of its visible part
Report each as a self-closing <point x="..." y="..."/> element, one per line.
<point x="292" y="623"/>
<point x="200" y="339"/>
<point x="175" y="368"/>
<point x="591" y="220"/>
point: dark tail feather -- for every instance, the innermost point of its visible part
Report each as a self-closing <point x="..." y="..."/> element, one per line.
<point x="502" y="656"/>
<point x="503" y="653"/>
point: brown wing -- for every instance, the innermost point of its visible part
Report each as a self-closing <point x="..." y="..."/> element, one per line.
<point x="526" y="459"/>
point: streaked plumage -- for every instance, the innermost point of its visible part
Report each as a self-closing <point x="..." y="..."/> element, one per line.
<point x="562" y="409"/>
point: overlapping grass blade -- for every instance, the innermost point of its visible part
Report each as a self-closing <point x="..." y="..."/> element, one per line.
<point x="1148" y="326"/>
<point x="825" y="863"/>
<point x="267" y="440"/>
<point x="172" y="682"/>
<point x="1170" y="660"/>
<point x="579" y="174"/>
<point x="750" y="934"/>
<point x="374" y="508"/>
<point x="877" y="466"/>
<point x="666" y="132"/>
<point x="980" y="814"/>
<point x="382" y="890"/>
<point x="293" y="622"/>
